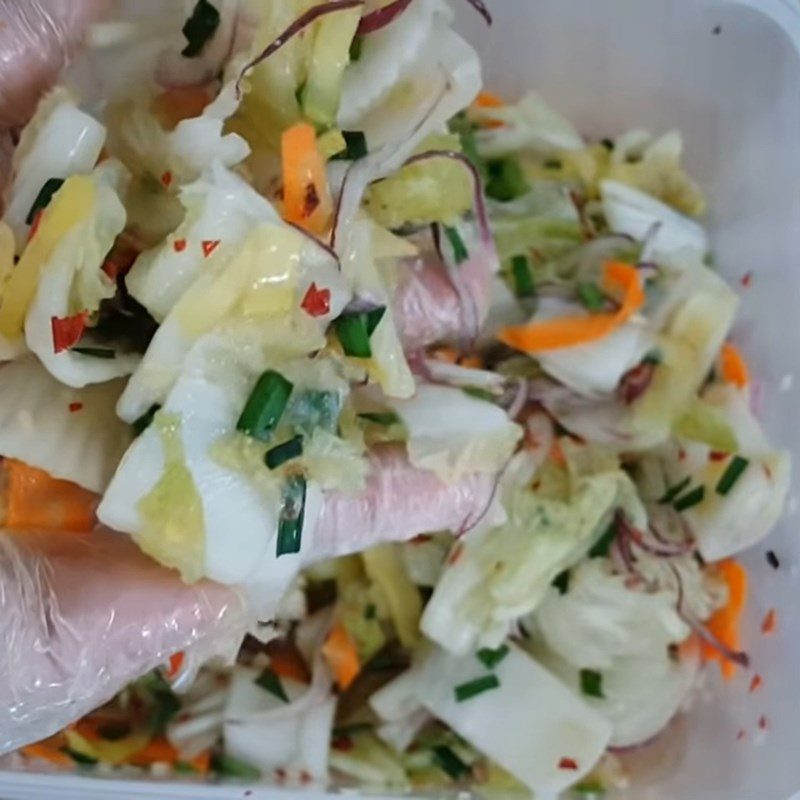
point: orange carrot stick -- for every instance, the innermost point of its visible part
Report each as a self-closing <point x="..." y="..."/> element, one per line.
<point x="306" y="198"/>
<point x="733" y="366"/>
<point x="286" y="662"/>
<point x="570" y="331"/>
<point x="159" y="750"/>
<point x="342" y="657"/>
<point x="35" y="500"/>
<point x="489" y="100"/>
<point x="47" y="752"/>
<point x="182" y="102"/>
<point x="725" y="623"/>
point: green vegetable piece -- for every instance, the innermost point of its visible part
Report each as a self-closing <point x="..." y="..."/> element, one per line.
<point x="356" y="47"/>
<point x="561" y="582"/>
<point x="284" y="452"/>
<point x="95" y="352"/>
<point x="265" y="406"/>
<point x="591" y="296"/>
<point x="44" y="197"/>
<point x="184" y="768"/>
<point x="200" y="28"/>
<point x="165" y="703"/>
<point x="271" y="683"/>
<point x="370" y="612"/>
<point x="523" y="279"/>
<point x="506" y="180"/>
<point x="592" y="683"/>
<point x="79" y="758"/>
<point x="146" y="420"/>
<point x="491" y="658"/>
<point x="465" y="130"/>
<point x="603" y="545"/>
<point x="380" y="418"/>
<point x="480" y="394"/>
<point x="466" y="691"/>
<point x="460" y="252"/>
<point x="450" y="762"/>
<point x="733" y="472"/>
<point x="290" y="526"/>
<point x="356" y="148"/>
<point x="673" y="492"/>
<point x="355" y="330"/>
<point x="691" y="499"/>
<point x="231" y="767"/>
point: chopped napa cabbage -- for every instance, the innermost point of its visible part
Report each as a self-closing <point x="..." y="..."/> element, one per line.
<point x="60" y="141"/>
<point x="704" y="423"/>
<point x="435" y="190"/>
<point x="114" y="752"/>
<point x="334" y="462"/>
<point x="357" y="611"/>
<point x="220" y="208"/>
<point x="550" y="237"/>
<point x="501" y="574"/>
<point x="369" y="762"/>
<point x="674" y="237"/>
<point x="424" y="558"/>
<point x="71" y="278"/>
<point x="528" y="125"/>
<point x="473" y="436"/>
<point x="527" y="722"/>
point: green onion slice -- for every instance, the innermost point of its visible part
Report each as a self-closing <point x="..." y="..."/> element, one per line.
<point x="465" y="691"/>
<point x="450" y="762"/>
<point x="265" y="406"/>
<point x="284" y="452"/>
<point x="491" y="658"/>
<point x="592" y="683"/>
<point x="271" y="683"/>
<point x="460" y="252"/>
<point x="146" y="420"/>
<point x="674" y="491"/>
<point x="355" y="330"/>
<point x="591" y="296"/>
<point x="690" y="499"/>
<point x="200" y="28"/>
<point x="732" y="473"/>
<point x="290" y="525"/>
<point x="356" y="146"/>
<point x="523" y="280"/>
<point x="95" y="352"/>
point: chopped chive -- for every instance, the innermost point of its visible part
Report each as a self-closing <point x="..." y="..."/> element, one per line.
<point x="374" y="318"/>
<point x="290" y="527"/>
<point x="284" y="452"/>
<point x="355" y="48"/>
<point x="94" y="352"/>
<point x="691" y="499"/>
<point x="673" y="492"/>
<point x="602" y="546"/>
<point x="732" y="474"/>
<point x="592" y="683"/>
<point x="523" y="280"/>
<point x="146" y="420"/>
<point x="607" y="143"/>
<point x="593" y="788"/>
<point x="465" y="691"/>
<point x="184" y="768"/>
<point x="506" y="180"/>
<point x="200" y="28"/>
<point x="51" y="186"/>
<point x="480" y="394"/>
<point x="491" y="658"/>
<point x="450" y="762"/>
<point x="79" y="758"/>
<point x="553" y="163"/>
<point x="370" y="612"/>
<point x="561" y="582"/>
<point x="354" y="331"/>
<point x="271" y="683"/>
<point x="654" y="357"/>
<point x="460" y="252"/>
<point x="233" y="768"/>
<point x="465" y="129"/>
<point x="386" y="418"/>
<point x="356" y="146"/>
<point x="591" y="296"/>
<point x="265" y="406"/>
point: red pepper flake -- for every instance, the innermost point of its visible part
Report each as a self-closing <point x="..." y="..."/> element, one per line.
<point x="740" y="736"/>
<point x="37" y="221"/>
<point x="421" y="539"/>
<point x="166" y="179"/>
<point x="209" y="246"/>
<point x="747" y="279"/>
<point x="568" y="763"/>
<point x="305" y="778"/>
<point x="681" y="454"/>
<point x="74" y="407"/>
<point x="311" y="200"/>
<point x="179" y="245"/>
<point x="455" y="554"/>
<point x="770" y="622"/>
<point x="280" y="774"/>
<point x="756" y="683"/>
<point x="716" y="455"/>
<point x="67" y="331"/>
<point x="175" y="663"/>
<point x="342" y="743"/>
<point x="317" y="302"/>
<point x="763" y="722"/>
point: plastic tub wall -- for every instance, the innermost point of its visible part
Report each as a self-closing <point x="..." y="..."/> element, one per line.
<point x="728" y="76"/>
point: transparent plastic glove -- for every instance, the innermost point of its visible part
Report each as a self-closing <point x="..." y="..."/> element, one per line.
<point x="82" y="616"/>
<point x="37" y="38"/>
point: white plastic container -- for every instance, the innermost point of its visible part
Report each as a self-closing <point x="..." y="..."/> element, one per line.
<point x="728" y="75"/>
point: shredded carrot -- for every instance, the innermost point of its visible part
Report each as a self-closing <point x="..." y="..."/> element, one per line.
<point x="570" y="331"/>
<point x="183" y="102"/>
<point x="159" y="750"/>
<point x="47" y="752"/>
<point x="770" y="622"/>
<point x="35" y="500"/>
<point x="488" y="100"/>
<point x="175" y="663"/>
<point x="286" y="662"/>
<point x="733" y="366"/>
<point x="756" y="683"/>
<point x="306" y="198"/>
<point x="202" y="763"/>
<point x="342" y="657"/>
<point x="724" y="624"/>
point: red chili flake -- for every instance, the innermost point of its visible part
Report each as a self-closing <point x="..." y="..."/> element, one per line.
<point x="740" y="736"/>
<point x="455" y="554"/>
<point x="74" y="407"/>
<point x="175" y="664"/>
<point x="716" y="455"/>
<point x="37" y="221"/>
<point x="746" y="279"/>
<point x="342" y="743"/>
<point x="756" y="683"/>
<point x="209" y="246"/>
<point x="311" y="200"/>
<point x="568" y="763"/>
<point x="421" y="539"/>
<point x="166" y="179"/>
<point x="770" y="622"/>
<point x="763" y="722"/>
<point x="681" y="454"/>
<point x="67" y="331"/>
<point x="635" y="382"/>
<point x="317" y="302"/>
<point x="179" y="245"/>
<point x="305" y="778"/>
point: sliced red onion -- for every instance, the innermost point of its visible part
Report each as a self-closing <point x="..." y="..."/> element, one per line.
<point x="298" y="26"/>
<point x="468" y="525"/>
<point x="319" y="243"/>
<point x="379" y="19"/>
<point x="635" y="382"/>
